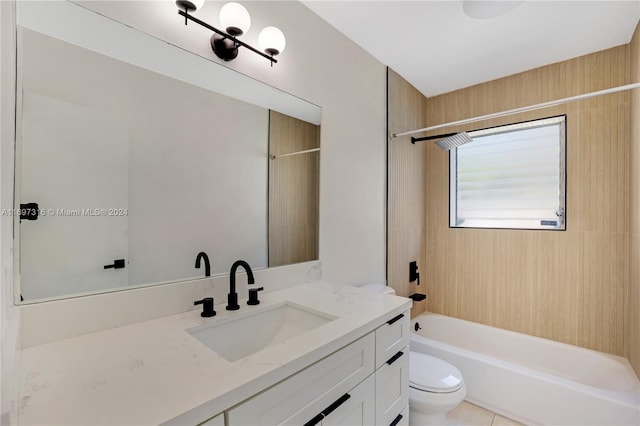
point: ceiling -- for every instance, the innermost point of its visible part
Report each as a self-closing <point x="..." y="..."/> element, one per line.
<point x="438" y="48"/>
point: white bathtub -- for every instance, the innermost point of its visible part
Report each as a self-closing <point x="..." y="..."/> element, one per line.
<point x="532" y="380"/>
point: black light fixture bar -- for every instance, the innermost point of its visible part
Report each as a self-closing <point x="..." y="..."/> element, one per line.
<point x="225" y="35"/>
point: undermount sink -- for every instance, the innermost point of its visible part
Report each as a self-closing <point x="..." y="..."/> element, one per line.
<point x="237" y="338"/>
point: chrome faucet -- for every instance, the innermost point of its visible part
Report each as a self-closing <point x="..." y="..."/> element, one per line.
<point x="232" y="297"/>
<point x="207" y="266"/>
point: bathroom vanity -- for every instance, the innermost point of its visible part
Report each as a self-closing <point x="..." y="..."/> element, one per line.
<point x="317" y="353"/>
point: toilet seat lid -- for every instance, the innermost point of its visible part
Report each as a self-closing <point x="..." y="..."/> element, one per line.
<point x="431" y="374"/>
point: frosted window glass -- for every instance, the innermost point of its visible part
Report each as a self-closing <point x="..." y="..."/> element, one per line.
<point x="510" y="177"/>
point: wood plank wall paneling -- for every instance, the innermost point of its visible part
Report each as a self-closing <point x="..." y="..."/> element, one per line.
<point x="293" y="190"/>
<point x="567" y="286"/>
<point x="406" y="188"/>
<point x="633" y="316"/>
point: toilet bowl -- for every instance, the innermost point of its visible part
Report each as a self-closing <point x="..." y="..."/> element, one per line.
<point x="435" y="386"/>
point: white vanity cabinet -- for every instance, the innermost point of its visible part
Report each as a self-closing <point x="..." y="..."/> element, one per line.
<point x="320" y="387"/>
<point x="345" y="372"/>
<point x="364" y="383"/>
<point x="392" y="371"/>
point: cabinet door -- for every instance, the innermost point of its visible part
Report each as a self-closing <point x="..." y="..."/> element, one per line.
<point x="392" y="337"/>
<point x="392" y="387"/>
<point x="358" y="410"/>
<point x="299" y="398"/>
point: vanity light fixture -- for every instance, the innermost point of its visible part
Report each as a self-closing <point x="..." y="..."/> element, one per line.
<point x="236" y="20"/>
<point x="189" y="6"/>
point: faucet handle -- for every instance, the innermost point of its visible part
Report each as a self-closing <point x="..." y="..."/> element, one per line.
<point x="253" y="296"/>
<point x="207" y="307"/>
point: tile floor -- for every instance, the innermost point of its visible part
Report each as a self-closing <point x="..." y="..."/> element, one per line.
<point x="467" y="414"/>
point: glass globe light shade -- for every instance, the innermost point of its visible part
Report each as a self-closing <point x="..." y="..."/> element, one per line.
<point x="189" y="5"/>
<point x="235" y="19"/>
<point x="272" y="40"/>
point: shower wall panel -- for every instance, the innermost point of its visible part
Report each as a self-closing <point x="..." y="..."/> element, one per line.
<point x="569" y="286"/>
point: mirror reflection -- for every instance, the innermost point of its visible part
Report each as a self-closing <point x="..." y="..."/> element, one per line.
<point x="293" y="189"/>
<point x="135" y="173"/>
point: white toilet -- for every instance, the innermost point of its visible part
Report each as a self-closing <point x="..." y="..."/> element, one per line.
<point x="435" y="386"/>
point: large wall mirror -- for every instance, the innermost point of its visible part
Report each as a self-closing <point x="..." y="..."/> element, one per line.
<point x="135" y="168"/>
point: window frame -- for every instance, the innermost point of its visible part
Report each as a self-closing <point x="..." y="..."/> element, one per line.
<point x="562" y="225"/>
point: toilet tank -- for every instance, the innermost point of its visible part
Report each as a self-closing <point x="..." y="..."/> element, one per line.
<point x="379" y="288"/>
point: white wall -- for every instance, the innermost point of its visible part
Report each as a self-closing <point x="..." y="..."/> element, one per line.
<point x="9" y="314"/>
<point x="322" y="66"/>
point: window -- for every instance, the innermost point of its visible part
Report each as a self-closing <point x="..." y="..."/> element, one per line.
<point x="510" y="177"/>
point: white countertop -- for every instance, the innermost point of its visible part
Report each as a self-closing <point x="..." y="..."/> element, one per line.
<point x="155" y="372"/>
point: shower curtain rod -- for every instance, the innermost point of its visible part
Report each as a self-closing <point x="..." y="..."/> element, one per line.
<point x="521" y="109"/>
<point x="273" y="157"/>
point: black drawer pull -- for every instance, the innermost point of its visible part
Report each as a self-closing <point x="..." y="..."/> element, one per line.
<point x="394" y="319"/>
<point x="395" y="357"/>
<point x="330" y="409"/>
<point x="314" y="421"/>
<point x="396" y="420"/>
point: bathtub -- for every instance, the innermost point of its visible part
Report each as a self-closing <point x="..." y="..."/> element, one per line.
<point x="529" y="379"/>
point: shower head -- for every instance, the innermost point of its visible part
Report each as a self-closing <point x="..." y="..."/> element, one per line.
<point x="447" y="141"/>
<point x="454" y="141"/>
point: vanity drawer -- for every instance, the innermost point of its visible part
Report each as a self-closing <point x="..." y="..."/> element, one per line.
<point x="358" y="410"/>
<point x="391" y="337"/>
<point x="401" y="419"/>
<point x="299" y="398"/>
<point x="392" y="387"/>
